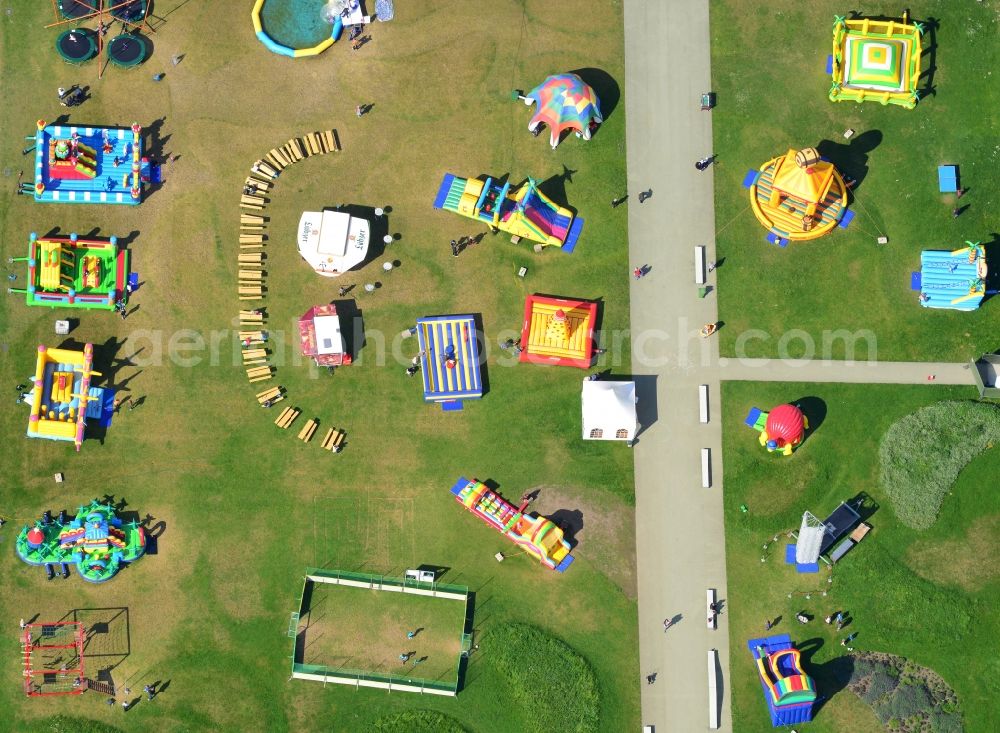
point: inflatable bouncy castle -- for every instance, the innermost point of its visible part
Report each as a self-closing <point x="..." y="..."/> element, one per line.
<point x="781" y="430"/>
<point x="789" y="692"/>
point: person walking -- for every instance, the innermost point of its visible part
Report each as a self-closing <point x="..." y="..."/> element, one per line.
<point x="667" y="623"/>
<point x="342" y="291"/>
<point x="643" y="195"/>
<point x="148" y="689"/>
<point x="959" y="193"/>
<point x="767" y="624"/>
<point x="132" y="404"/>
<point x="110" y="701"/>
<point x="650" y="678"/>
<point x="359" y="110"/>
<point x="638" y="272"/>
<point x="955" y="212"/>
<point x="454" y="248"/>
<point x="125" y="706"/>
<point x="711" y="266"/>
<point x="410" y="634"/>
<point x="616" y="202"/>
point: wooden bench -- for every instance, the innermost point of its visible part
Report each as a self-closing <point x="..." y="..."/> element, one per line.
<point x="251" y="317"/>
<point x="287" y="417"/>
<point x="306" y="433"/>
<point x="296" y="148"/>
<point x="259" y="373"/>
<point x="253" y="199"/>
<point x="252" y="219"/>
<point x="860" y="531"/>
<point x="253" y="336"/>
<point x="331" y="142"/>
<point x="312" y="143"/>
<point x="252" y="257"/>
<point x="251" y="228"/>
<point x="254" y="353"/>
<point x="251" y="238"/>
<point x="279" y="157"/>
<point x="270" y="395"/>
<point x="264" y="170"/>
<point x="332" y="440"/>
<point x="257" y="184"/>
<point x="252" y="275"/>
<point x="250" y="206"/>
<point x="251" y="290"/>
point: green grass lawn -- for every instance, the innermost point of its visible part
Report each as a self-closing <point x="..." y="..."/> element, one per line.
<point x="927" y="596"/>
<point x="768" y="67"/>
<point x="244" y="507"/>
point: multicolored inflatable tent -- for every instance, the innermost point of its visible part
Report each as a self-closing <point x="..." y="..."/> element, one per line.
<point x="788" y="691"/>
<point x="876" y="61"/>
<point x="564" y="102"/>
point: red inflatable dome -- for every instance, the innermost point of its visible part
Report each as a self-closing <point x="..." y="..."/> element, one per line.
<point x="785" y="424"/>
<point x="35" y="536"/>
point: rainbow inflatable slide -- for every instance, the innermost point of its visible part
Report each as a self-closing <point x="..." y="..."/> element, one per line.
<point x="538" y="536"/>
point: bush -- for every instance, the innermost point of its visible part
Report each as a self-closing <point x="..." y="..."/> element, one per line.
<point x="946" y="723"/>
<point x="546" y="676"/>
<point x="910" y="700"/>
<point x="419" y="721"/>
<point x="922" y="454"/>
<point x="879" y="684"/>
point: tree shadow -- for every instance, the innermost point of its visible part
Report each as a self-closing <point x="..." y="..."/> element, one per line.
<point x="608" y="91"/>
<point x="851" y="158"/>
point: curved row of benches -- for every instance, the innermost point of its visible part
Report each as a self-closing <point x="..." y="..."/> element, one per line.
<point x="254" y="199"/>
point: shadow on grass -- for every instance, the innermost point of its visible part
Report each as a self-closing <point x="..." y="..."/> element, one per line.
<point x="852" y="158"/>
<point x="831" y="677"/>
<point x="607" y="89"/>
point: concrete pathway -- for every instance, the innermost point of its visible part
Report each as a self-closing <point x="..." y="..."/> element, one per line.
<point x="680" y="543"/>
<point x="679" y="526"/>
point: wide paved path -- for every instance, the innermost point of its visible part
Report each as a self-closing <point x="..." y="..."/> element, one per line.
<point x="679" y="532"/>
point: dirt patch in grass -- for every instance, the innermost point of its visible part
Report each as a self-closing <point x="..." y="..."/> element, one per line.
<point x="601" y="524"/>
<point x="959" y="561"/>
<point x="361" y="629"/>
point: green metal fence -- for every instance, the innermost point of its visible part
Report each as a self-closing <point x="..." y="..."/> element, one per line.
<point x="377" y="581"/>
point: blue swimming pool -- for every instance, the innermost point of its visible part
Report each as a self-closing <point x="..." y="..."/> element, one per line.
<point x="297" y="24"/>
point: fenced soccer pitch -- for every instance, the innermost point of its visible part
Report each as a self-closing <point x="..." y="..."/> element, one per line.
<point x="354" y="660"/>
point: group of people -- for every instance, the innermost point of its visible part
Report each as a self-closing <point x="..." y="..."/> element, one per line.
<point x="457" y="245"/>
<point x="70" y="97"/>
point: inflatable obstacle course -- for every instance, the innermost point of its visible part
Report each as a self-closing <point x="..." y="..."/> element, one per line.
<point x="522" y="211"/>
<point x="538" y="536"/>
